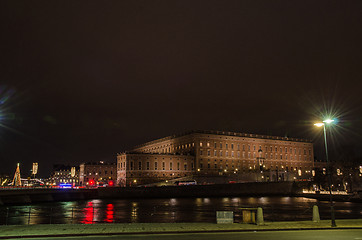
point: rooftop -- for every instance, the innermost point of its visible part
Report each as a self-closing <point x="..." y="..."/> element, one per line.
<point x="224" y="133"/>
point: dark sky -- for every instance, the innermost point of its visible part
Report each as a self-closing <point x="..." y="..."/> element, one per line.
<point x="83" y="80"/>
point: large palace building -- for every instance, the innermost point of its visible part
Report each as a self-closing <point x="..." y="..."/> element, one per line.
<point x="241" y="156"/>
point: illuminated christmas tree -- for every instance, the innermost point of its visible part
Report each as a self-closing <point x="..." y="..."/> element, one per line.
<point x="17" y="179"/>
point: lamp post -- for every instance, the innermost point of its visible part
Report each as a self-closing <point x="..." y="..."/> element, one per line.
<point x="328" y="121"/>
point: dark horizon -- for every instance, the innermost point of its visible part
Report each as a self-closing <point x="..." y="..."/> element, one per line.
<point x="80" y="82"/>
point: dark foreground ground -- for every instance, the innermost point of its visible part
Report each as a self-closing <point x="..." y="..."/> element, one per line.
<point x="340" y="234"/>
<point x="201" y="230"/>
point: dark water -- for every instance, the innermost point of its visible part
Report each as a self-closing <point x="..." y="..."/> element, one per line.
<point x="171" y="210"/>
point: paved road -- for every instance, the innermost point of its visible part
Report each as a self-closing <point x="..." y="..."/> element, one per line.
<point x="355" y="234"/>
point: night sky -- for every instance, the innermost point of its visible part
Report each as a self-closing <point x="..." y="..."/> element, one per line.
<point x="83" y="80"/>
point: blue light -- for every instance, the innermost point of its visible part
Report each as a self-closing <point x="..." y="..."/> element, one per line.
<point x="65" y="185"/>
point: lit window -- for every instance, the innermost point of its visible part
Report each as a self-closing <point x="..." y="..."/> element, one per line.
<point x="208" y="144"/>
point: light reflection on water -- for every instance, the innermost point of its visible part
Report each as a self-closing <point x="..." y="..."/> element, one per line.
<point x="171" y="210"/>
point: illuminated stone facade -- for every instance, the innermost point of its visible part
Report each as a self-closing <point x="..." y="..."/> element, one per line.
<point x="214" y="153"/>
<point x="142" y="168"/>
<point x="63" y="175"/>
<point x="99" y="172"/>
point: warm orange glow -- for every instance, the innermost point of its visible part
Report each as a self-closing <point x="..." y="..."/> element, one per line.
<point x="319" y="124"/>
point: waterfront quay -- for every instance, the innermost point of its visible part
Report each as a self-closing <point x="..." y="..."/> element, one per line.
<point x="67" y="230"/>
<point x="35" y="195"/>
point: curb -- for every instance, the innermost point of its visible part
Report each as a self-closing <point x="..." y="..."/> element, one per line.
<point x="175" y="232"/>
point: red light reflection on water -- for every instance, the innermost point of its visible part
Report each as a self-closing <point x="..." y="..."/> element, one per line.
<point x="110" y="213"/>
<point x="88" y="214"/>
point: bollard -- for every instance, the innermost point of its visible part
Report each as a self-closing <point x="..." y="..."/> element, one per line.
<point x="259" y="216"/>
<point x="316" y="217"/>
<point x="72" y="214"/>
<point x="29" y="215"/>
<point x="7" y="216"/>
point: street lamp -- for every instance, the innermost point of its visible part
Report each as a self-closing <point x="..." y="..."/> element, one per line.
<point x="320" y="124"/>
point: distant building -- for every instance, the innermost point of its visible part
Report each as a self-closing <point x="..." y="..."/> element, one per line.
<point x="250" y="157"/>
<point x="97" y="173"/>
<point x="143" y="168"/>
<point x="64" y="174"/>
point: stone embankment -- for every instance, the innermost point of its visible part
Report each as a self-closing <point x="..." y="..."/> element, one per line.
<point x="29" y="196"/>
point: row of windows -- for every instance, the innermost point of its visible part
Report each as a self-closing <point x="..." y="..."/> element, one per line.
<point x="233" y="167"/>
<point x="99" y="173"/>
<point x="168" y="148"/>
<point x="156" y="166"/>
<point x="254" y="155"/>
<point x="266" y="148"/>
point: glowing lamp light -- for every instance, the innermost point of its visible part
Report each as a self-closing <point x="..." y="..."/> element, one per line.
<point x="328" y="121"/>
<point x="319" y="124"/>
